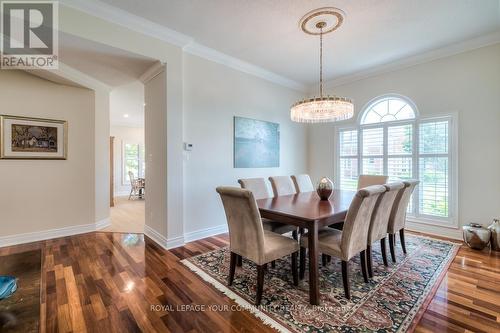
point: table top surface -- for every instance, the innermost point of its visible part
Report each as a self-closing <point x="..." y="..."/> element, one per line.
<point x="307" y="205"/>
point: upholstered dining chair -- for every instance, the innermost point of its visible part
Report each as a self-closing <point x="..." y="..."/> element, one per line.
<point x="247" y="237"/>
<point x="260" y="190"/>
<point x="397" y="219"/>
<point x="369" y="180"/>
<point x="380" y="222"/>
<point x="303" y="183"/>
<point x="351" y="240"/>
<point x="282" y="185"/>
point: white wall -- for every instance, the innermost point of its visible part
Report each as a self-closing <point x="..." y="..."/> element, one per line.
<point x="127" y="99"/>
<point x="39" y="195"/>
<point x="467" y="83"/>
<point x="123" y="134"/>
<point x="213" y="95"/>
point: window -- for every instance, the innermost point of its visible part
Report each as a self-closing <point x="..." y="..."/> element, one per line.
<point x="391" y="140"/>
<point x="133" y="160"/>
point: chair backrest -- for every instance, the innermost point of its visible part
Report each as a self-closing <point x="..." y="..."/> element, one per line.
<point x="369" y="180"/>
<point x="258" y="186"/>
<point x="246" y="234"/>
<point x="382" y="212"/>
<point x="282" y="185"/>
<point x="303" y="183"/>
<point x="397" y="219"/>
<point x="357" y="221"/>
<point x="131" y="177"/>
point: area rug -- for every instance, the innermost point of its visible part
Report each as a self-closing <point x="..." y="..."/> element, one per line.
<point x="393" y="301"/>
<point x="21" y="311"/>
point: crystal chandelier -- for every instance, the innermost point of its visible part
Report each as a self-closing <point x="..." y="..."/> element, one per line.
<point x="323" y="108"/>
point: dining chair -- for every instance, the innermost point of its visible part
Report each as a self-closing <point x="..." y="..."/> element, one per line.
<point x="260" y="190"/>
<point x="369" y="180"/>
<point x="247" y="237"/>
<point x="282" y="185"/>
<point x="397" y="219"/>
<point x="350" y="241"/>
<point x="302" y="183"/>
<point x="380" y="222"/>
<point x="136" y="186"/>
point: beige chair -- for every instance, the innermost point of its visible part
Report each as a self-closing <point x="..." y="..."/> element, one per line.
<point x="351" y="240"/>
<point x="380" y="222"/>
<point x="282" y="185"/>
<point x="248" y="238"/>
<point x="397" y="219"/>
<point x="136" y="186"/>
<point x="260" y="190"/>
<point x="369" y="180"/>
<point x="303" y="183"/>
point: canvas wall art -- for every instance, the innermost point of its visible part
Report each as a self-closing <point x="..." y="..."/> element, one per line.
<point x="256" y="143"/>
<point x="32" y="138"/>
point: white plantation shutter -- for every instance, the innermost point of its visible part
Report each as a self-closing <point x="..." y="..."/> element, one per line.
<point x="391" y="141"/>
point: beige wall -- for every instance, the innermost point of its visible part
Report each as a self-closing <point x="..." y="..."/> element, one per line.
<point x="468" y="84"/>
<point x="39" y="195"/>
<point x="213" y="95"/>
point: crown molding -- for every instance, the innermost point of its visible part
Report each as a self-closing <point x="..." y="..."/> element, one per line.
<point x="443" y="52"/>
<point x="187" y="43"/>
<point x="152" y="72"/>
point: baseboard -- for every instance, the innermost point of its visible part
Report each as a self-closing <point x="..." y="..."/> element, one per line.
<point x="161" y="240"/>
<point x="122" y="194"/>
<point x="204" y="233"/>
<point x="453" y="233"/>
<point x="52" y="233"/>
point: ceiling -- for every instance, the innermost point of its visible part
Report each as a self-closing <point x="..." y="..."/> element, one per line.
<point x="265" y="33"/>
<point x="113" y="67"/>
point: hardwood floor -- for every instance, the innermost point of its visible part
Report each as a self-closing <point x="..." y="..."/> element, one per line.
<point x="127" y="215"/>
<point x="110" y="282"/>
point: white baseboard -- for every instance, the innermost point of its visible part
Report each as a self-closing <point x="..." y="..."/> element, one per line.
<point x="453" y="233"/>
<point x="52" y="233"/>
<point x="204" y="233"/>
<point x="122" y="194"/>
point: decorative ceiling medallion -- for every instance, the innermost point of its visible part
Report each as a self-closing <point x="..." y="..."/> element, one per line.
<point x="331" y="17"/>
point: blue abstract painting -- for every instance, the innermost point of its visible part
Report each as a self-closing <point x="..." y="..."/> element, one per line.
<point x="256" y="143"/>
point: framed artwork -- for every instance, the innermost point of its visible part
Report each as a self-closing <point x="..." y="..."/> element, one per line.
<point x="33" y="138"/>
<point x="256" y="143"/>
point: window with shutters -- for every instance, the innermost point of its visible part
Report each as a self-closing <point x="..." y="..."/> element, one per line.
<point x="391" y="139"/>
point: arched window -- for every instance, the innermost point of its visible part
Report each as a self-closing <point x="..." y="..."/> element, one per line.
<point x="391" y="139"/>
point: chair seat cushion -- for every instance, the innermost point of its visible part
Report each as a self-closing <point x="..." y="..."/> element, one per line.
<point x="328" y="241"/>
<point x="277" y="227"/>
<point x="277" y="246"/>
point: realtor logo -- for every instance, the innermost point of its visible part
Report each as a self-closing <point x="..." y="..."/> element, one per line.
<point x="29" y="35"/>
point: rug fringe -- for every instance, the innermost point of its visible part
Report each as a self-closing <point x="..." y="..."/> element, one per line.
<point x="268" y="321"/>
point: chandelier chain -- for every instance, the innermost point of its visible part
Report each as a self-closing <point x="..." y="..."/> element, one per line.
<point x="321" y="62"/>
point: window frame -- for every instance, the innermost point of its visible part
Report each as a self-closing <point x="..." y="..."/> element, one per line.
<point x="415" y="216"/>
<point x="140" y="159"/>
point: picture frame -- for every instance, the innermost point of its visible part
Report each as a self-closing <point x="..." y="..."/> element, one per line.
<point x="33" y="138"/>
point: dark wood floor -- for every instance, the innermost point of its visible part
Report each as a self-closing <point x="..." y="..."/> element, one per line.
<point x="107" y="282"/>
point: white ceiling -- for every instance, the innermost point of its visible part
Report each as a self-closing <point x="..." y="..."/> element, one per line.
<point x="265" y="33"/>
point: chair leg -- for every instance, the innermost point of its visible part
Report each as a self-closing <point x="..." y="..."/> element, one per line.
<point x="295" y="235"/>
<point x="324" y="260"/>
<point x="392" y="238"/>
<point x="369" y="260"/>
<point x="260" y="284"/>
<point x="302" y="266"/>
<point x="240" y="261"/>
<point x="345" y="279"/>
<point x="362" y="256"/>
<point x="402" y="237"/>
<point x="273" y="264"/>
<point x="384" y="252"/>
<point x="295" y="274"/>
<point x="329" y="258"/>
<point x="232" y="268"/>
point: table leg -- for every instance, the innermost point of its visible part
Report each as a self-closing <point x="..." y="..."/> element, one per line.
<point x="313" y="264"/>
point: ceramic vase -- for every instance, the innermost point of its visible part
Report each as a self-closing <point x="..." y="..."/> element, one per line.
<point x="475" y="236"/>
<point x="325" y="188"/>
<point x="494" y="229"/>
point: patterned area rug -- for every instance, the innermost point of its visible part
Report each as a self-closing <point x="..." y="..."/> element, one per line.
<point x="393" y="301"/>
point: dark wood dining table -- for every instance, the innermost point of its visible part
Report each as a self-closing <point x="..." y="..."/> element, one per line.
<point x="306" y="210"/>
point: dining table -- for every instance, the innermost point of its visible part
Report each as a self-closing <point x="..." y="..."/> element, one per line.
<point x="307" y="211"/>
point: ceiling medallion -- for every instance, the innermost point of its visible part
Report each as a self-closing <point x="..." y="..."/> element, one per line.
<point x="323" y="108"/>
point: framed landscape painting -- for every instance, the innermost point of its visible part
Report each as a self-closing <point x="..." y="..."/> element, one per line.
<point x="256" y="143"/>
<point x="33" y="138"/>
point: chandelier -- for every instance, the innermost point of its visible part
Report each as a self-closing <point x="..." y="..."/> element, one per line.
<point x="323" y="108"/>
